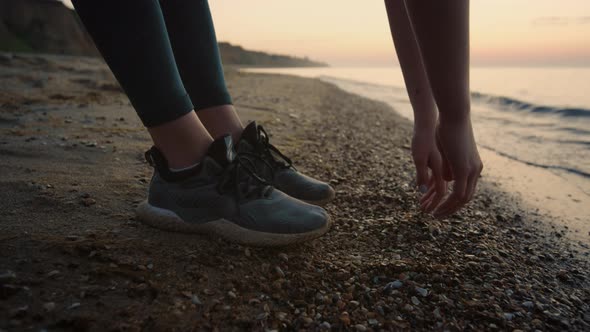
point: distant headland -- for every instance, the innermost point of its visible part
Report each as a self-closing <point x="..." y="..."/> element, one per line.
<point x="48" y="26"/>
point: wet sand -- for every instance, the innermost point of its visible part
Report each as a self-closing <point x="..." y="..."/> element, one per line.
<point x="75" y="258"/>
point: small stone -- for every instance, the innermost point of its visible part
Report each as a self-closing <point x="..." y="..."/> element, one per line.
<point x="319" y="297"/>
<point x="49" y="306"/>
<point x="415" y="300"/>
<point x="528" y="304"/>
<point x="284" y="257"/>
<point x="7" y="277"/>
<point x="422" y="291"/>
<point x="436" y="313"/>
<point x="150" y="266"/>
<point x="306" y="320"/>
<point x="508" y="316"/>
<point x="88" y="201"/>
<point x="345" y="318"/>
<point x="8" y="290"/>
<point x="325" y="326"/>
<point x="195" y="300"/>
<point x="254" y="301"/>
<point x="392" y="285"/>
<point x="52" y="273"/>
<point x="279" y="272"/>
<point x="360" y="327"/>
<point x="280" y="315"/>
<point x="373" y="322"/>
<point x="262" y="316"/>
<point x="231" y="295"/>
<point x="19" y="312"/>
<point x="354" y="303"/>
<point x="74" y="305"/>
<point x="536" y="323"/>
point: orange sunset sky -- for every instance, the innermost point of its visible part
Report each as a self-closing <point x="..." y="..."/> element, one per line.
<point x="355" y="32"/>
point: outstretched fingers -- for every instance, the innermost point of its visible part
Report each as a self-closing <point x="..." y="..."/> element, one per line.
<point x="455" y="200"/>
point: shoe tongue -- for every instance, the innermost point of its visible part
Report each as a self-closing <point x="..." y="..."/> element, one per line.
<point x="222" y="150"/>
<point x="250" y="133"/>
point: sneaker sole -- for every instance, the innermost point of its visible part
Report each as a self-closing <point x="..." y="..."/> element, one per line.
<point x="170" y="221"/>
<point x="320" y="203"/>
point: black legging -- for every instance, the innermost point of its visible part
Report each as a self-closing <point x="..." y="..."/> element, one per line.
<point x="151" y="45"/>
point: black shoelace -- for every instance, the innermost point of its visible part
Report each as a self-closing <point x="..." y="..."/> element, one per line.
<point x="241" y="178"/>
<point x="270" y="152"/>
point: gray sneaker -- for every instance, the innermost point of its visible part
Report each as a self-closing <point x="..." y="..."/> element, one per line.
<point x="278" y="170"/>
<point x="223" y="196"/>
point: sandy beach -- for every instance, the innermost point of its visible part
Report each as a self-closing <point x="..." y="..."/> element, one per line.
<point x="75" y="258"/>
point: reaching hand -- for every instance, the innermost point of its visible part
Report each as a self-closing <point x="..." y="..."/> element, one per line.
<point x="461" y="164"/>
<point x="426" y="156"/>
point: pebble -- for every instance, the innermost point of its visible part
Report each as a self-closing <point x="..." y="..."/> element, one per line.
<point x="49" y="306"/>
<point x="392" y="285"/>
<point x="8" y="276"/>
<point x="360" y="327"/>
<point x="281" y="315"/>
<point x="262" y="316"/>
<point x="231" y="295"/>
<point x="19" y="312"/>
<point x="415" y="300"/>
<point x="307" y="320"/>
<point x="354" y="303"/>
<point x="195" y="300"/>
<point x="536" y="323"/>
<point x="345" y="318"/>
<point x="279" y="272"/>
<point x="528" y="304"/>
<point x="436" y="313"/>
<point x="284" y="257"/>
<point x="88" y="201"/>
<point x="74" y="305"/>
<point x="422" y="291"/>
<point x="325" y="326"/>
<point x="508" y="316"/>
<point x="53" y="273"/>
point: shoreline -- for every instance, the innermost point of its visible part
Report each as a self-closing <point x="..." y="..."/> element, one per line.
<point x="71" y="172"/>
<point x="559" y="199"/>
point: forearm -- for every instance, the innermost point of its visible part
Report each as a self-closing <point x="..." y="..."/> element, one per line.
<point x="412" y="66"/>
<point x="442" y="31"/>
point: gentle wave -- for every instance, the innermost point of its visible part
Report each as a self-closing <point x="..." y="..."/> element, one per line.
<point x="536" y="164"/>
<point x="508" y="103"/>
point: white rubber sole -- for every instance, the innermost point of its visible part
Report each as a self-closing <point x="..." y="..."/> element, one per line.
<point x="170" y="221"/>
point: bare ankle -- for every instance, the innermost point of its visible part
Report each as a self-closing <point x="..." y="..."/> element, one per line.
<point x="184" y="141"/>
<point x="221" y="120"/>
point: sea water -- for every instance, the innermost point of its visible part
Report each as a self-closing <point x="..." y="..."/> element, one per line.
<point x="532" y="126"/>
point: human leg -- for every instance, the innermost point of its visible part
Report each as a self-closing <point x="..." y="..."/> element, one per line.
<point x="221" y="194"/>
<point x="131" y="36"/>
<point x="192" y="35"/>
